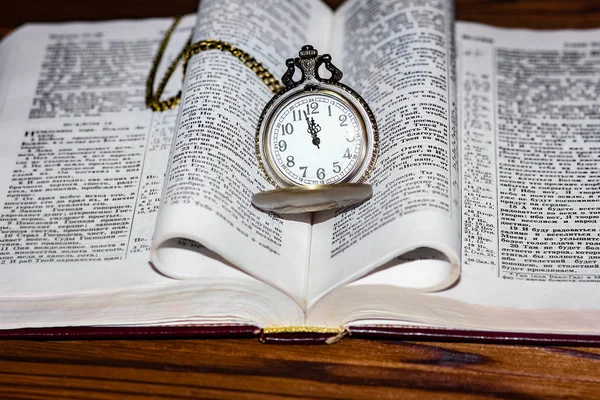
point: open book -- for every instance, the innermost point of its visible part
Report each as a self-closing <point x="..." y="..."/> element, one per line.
<point x="486" y="193"/>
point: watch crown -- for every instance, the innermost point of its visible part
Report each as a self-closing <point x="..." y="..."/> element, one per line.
<point x="308" y="51"/>
<point x="309" y="63"/>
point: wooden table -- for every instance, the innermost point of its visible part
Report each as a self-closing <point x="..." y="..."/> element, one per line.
<point x="246" y="369"/>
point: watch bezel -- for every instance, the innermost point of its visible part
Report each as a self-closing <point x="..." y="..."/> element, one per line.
<point x="364" y="166"/>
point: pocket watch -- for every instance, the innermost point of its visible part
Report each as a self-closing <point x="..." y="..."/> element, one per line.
<point x="316" y="141"/>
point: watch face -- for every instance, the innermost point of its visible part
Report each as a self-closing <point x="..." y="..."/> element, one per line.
<point x="316" y="138"/>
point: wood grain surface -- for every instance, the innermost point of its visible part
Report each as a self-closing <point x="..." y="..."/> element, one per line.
<point x="246" y="369"/>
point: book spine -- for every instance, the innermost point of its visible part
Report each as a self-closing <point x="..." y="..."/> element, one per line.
<point x="302" y="335"/>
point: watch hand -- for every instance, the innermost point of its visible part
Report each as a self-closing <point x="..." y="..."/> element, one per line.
<point x="316" y="129"/>
<point x="313" y="129"/>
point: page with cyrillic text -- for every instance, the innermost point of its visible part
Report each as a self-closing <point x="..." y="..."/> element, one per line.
<point x="213" y="169"/>
<point x="529" y="123"/>
<point x="82" y="163"/>
<point x="399" y="56"/>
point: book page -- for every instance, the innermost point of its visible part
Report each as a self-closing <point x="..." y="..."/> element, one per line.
<point x="213" y="169"/>
<point x="82" y="163"/>
<point x="530" y="120"/>
<point x="82" y="159"/>
<point x="398" y="56"/>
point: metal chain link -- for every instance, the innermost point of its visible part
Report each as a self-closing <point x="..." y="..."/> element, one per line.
<point x="153" y="98"/>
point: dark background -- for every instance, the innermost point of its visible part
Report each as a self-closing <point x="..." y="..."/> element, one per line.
<point x="542" y="14"/>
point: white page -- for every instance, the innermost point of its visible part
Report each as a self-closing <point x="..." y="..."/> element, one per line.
<point x="56" y="69"/>
<point x="510" y="83"/>
<point x="398" y="56"/>
<point x="530" y="150"/>
<point x="74" y="113"/>
<point x="214" y="169"/>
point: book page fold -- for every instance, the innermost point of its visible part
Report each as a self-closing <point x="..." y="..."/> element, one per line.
<point x="213" y="169"/>
<point x="399" y="56"/>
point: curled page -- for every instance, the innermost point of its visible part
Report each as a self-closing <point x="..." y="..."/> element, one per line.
<point x="213" y="169"/>
<point x="399" y="56"/>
